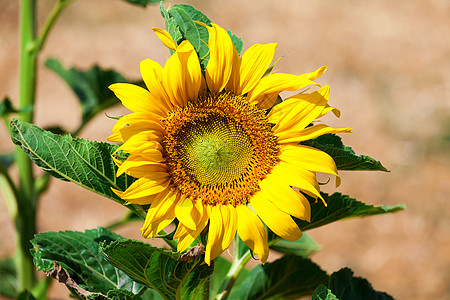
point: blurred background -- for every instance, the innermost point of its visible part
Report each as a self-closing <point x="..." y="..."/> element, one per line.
<point x="389" y="65"/>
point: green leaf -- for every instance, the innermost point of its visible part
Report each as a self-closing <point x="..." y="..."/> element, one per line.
<point x="159" y="269"/>
<point x="8" y="278"/>
<point x="323" y="293"/>
<point x="288" y="277"/>
<point x="221" y="267"/>
<point x="181" y="26"/>
<point x="91" y="87"/>
<point x="79" y="254"/>
<point x="26" y="295"/>
<point x="119" y="294"/>
<point x="6" y="107"/>
<point x="345" y="286"/>
<point x="344" y="156"/>
<point x="341" y="207"/>
<point x="303" y="247"/>
<point x="86" y="163"/>
<point x="142" y="3"/>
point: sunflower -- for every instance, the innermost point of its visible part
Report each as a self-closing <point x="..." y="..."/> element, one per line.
<point x="206" y="150"/>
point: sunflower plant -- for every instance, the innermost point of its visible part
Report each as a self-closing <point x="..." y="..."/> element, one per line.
<point x="210" y="159"/>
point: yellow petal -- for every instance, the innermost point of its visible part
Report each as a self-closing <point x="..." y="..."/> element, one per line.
<point x="185" y="213"/>
<point x="160" y="214"/>
<point x="151" y="127"/>
<point x="136" y="118"/>
<point x="215" y="235"/>
<point x="146" y="186"/>
<point x="309" y="158"/>
<point x="285" y="198"/>
<point x="299" y="110"/>
<point x="186" y="236"/>
<point x="229" y="217"/>
<point x="152" y="74"/>
<point x="165" y="38"/>
<point x="140" y="167"/>
<point x="278" y="82"/>
<point x="252" y="232"/>
<point x="255" y="62"/>
<point x="136" y="98"/>
<point x="182" y="75"/>
<point x="222" y="54"/>
<point x="278" y="221"/>
<point x="292" y="135"/>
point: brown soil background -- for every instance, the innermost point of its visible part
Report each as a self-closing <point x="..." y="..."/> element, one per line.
<point x="389" y="65"/>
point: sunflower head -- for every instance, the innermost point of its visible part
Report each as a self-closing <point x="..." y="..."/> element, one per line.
<point x="205" y="149"/>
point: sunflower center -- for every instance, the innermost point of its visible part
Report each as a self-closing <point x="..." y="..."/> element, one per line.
<point x="219" y="148"/>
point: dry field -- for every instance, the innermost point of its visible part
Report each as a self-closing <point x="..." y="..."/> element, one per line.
<point x="389" y="65"/>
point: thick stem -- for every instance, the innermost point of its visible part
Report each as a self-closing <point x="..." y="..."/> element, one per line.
<point x="26" y="202"/>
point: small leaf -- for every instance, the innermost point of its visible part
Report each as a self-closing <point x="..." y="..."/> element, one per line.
<point x="86" y="163"/>
<point x="79" y="254"/>
<point x="91" y="87"/>
<point x="142" y="3"/>
<point x="159" y="269"/>
<point x="8" y="278"/>
<point x="344" y="156"/>
<point x="303" y="247"/>
<point x="345" y="286"/>
<point x="181" y="26"/>
<point x="323" y="293"/>
<point x="341" y="207"/>
<point x="6" y="107"/>
<point x="289" y="277"/>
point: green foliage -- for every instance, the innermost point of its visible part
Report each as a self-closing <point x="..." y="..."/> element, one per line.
<point x="341" y="207"/>
<point x="323" y="293"/>
<point x="86" y="163"/>
<point x="26" y="295"/>
<point x="6" y="160"/>
<point x="345" y="286"/>
<point x="303" y="247"/>
<point x="142" y="3"/>
<point x="79" y="254"/>
<point x="221" y="267"/>
<point x="6" y="107"/>
<point x="91" y="87"/>
<point x="181" y="26"/>
<point x="288" y="277"/>
<point x="8" y="280"/>
<point x="344" y="156"/>
<point x="159" y="269"/>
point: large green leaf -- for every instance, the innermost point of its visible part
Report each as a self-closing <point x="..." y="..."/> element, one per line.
<point x="345" y="286"/>
<point x="181" y="26"/>
<point x="323" y="293"/>
<point x="341" y="207"/>
<point x="159" y="269"/>
<point x="91" y="87"/>
<point x="303" y="247"/>
<point x="344" y="156"/>
<point x="8" y="278"/>
<point x="288" y="277"/>
<point x="79" y="254"/>
<point x="86" y="163"/>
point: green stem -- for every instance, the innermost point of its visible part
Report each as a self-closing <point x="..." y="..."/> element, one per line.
<point x="233" y="273"/>
<point x="26" y="202"/>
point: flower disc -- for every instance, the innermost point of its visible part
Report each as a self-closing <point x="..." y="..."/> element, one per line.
<point x="219" y="148"/>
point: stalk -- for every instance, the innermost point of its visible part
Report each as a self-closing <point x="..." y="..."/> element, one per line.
<point x="25" y="220"/>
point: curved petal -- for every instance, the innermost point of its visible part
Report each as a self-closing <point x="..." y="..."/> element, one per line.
<point x="152" y="74"/>
<point x="146" y="186"/>
<point x="299" y="110"/>
<point x="165" y="38"/>
<point x="215" y="235"/>
<point x="136" y="98"/>
<point x="255" y="62"/>
<point x="160" y="214"/>
<point x="182" y="75"/>
<point x="187" y="238"/>
<point x="309" y="158"/>
<point x="278" y="82"/>
<point x="136" y="117"/>
<point x="187" y="213"/>
<point x="285" y="198"/>
<point x="293" y="135"/>
<point x="278" y="221"/>
<point x="222" y="58"/>
<point x="229" y="217"/>
<point x="252" y="232"/>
